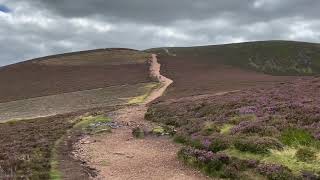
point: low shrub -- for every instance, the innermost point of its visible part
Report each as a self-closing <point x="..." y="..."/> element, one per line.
<point x="178" y="138"/>
<point x="275" y="172"/>
<point x="209" y="128"/>
<point x="216" y="164"/>
<point x="196" y="143"/>
<point x="230" y="172"/>
<point x="211" y="163"/>
<point x="259" y="145"/>
<point x="240" y="118"/>
<point x="305" y="154"/>
<point x="219" y="144"/>
<point x="138" y="132"/>
<point x="309" y="176"/>
<point x="256" y="127"/>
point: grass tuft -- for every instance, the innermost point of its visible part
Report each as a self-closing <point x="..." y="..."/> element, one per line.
<point x="226" y="128"/>
<point x="298" y="137"/>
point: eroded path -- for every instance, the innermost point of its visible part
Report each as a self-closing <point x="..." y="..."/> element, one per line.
<point x="120" y="156"/>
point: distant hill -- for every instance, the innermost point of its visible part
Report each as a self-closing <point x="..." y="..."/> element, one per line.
<point x="72" y="72"/>
<point x="271" y="57"/>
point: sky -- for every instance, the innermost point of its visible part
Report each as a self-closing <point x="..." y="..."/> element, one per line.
<point x="35" y="28"/>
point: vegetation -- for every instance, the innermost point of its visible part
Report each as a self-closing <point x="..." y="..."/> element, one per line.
<point x="299" y="137"/>
<point x="148" y="88"/>
<point x="272" y="57"/>
<point x="276" y="129"/>
<point x="27" y="147"/>
<point x="305" y="155"/>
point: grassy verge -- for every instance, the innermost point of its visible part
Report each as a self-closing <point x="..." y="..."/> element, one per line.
<point x="85" y="125"/>
<point x="148" y="89"/>
<point x="55" y="173"/>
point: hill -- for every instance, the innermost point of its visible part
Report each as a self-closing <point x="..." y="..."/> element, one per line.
<point x="72" y="72"/>
<point x="270" y="57"/>
<point x="273" y="132"/>
<point x="247" y="110"/>
<point x="212" y="69"/>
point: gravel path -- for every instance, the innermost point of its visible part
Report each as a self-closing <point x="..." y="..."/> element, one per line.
<point x="120" y="156"/>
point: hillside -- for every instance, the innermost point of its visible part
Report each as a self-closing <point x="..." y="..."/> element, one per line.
<point x="270" y="57"/>
<point x="72" y="72"/>
<point x="247" y="110"/>
<point x="212" y="69"/>
<point x="271" y="132"/>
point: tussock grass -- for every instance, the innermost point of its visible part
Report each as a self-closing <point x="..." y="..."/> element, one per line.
<point x="298" y="137"/>
<point x="286" y="157"/>
<point x="226" y="128"/>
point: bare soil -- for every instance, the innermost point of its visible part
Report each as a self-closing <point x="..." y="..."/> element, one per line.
<point x="120" y="156"/>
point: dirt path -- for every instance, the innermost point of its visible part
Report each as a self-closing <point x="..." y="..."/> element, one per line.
<point x="120" y="156"/>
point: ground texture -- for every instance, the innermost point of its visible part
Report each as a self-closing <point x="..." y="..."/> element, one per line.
<point x="69" y="73"/>
<point x="120" y="156"/>
<point x="271" y="132"/>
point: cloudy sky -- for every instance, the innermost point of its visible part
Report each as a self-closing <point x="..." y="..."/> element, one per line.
<point x="33" y="28"/>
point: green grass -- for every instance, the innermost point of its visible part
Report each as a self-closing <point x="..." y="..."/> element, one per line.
<point x="239" y="118"/>
<point x="286" y="157"/>
<point x="148" y="90"/>
<point x="55" y="173"/>
<point x="294" y="139"/>
<point x="298" y="137"/>
<point x="226" y="128"/>
<point x="86" y="121"/>
<point x="83" y="124"/>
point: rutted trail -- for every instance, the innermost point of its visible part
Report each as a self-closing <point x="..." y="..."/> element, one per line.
<point x="120" y="156"/>
<point x="155" y="73"/>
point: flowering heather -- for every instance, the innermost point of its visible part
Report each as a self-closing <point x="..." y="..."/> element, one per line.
<point x="275" y="172"/>
<point x="259" y="117"/>
<point x="247" y="110"/>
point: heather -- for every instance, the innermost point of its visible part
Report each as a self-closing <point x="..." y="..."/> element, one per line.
<point x="278" y="126"/>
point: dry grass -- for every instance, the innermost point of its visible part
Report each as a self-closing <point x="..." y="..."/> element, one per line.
<point x="70" y="102"/>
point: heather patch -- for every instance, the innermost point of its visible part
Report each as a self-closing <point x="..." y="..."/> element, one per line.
<point x="276" y="126"/>
<point x="257" y="145"/>
<point x="240" y="118"/>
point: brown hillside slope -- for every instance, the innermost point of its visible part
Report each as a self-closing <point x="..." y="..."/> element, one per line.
<point x="72" y="72"/>
<point x="196" y="76"/>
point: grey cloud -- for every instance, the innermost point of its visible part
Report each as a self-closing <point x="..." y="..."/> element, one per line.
<point x="43" y="27"/>
<point x="168" y="11"/>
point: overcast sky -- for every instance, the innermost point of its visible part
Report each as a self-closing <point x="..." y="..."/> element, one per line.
<point x="33" y="28"/>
